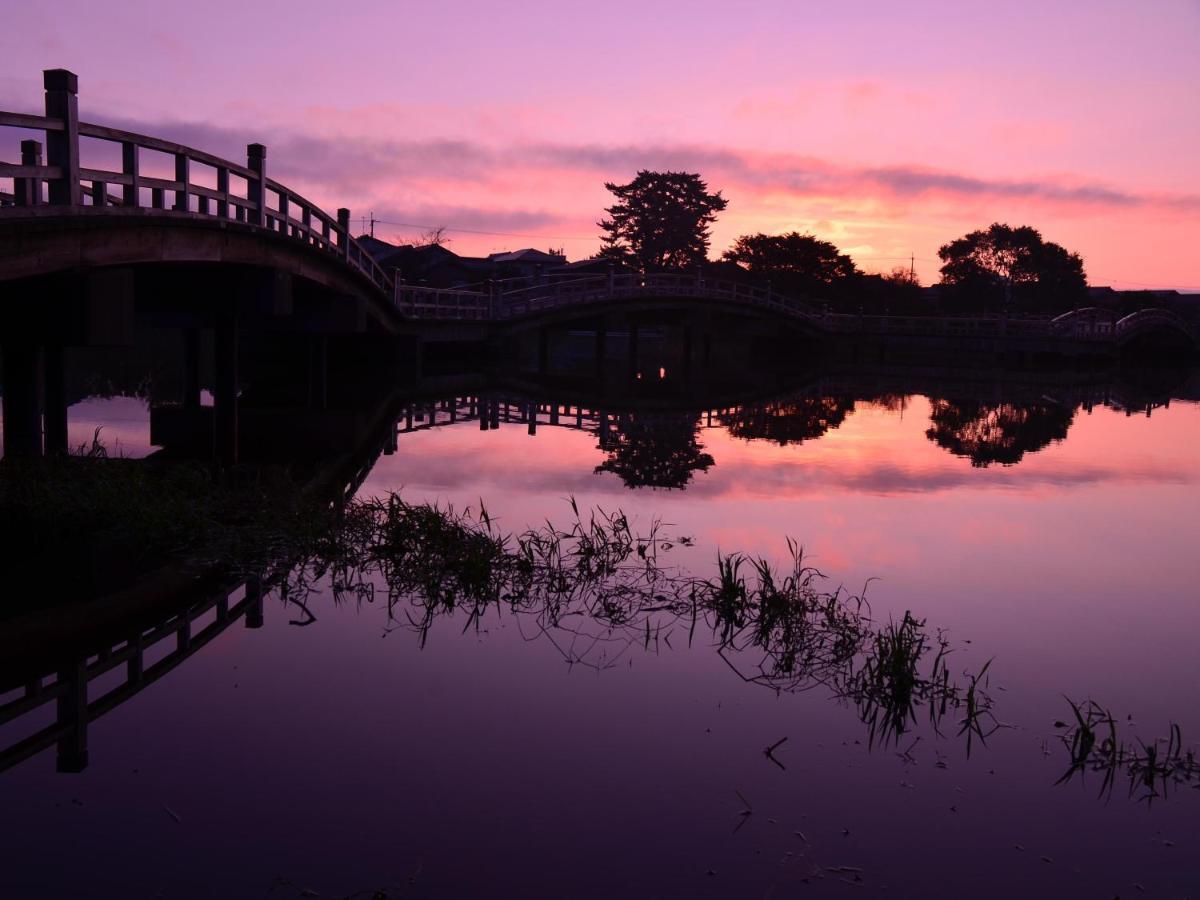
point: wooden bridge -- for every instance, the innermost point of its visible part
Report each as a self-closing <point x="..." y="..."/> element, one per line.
<point x="62" y="215"/>
<point x="531" y="297"/>
<point x="223" y="195"/>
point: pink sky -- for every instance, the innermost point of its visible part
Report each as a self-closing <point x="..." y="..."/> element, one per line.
<point x="886" y="129"/>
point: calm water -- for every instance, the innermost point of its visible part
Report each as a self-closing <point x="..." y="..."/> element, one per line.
<point x="1056" y="537"/>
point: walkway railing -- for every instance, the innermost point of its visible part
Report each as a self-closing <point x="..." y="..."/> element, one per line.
<point x="519" y="297"/>
<point x="234" y="192"/>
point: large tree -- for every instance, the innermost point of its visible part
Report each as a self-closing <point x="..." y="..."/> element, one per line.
<point x="660" y="220"/>
<point x="797" y="259"/>
<point x="1006" y="264"/>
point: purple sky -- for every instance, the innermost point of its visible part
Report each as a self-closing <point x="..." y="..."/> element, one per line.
<point x="886" y="129"/>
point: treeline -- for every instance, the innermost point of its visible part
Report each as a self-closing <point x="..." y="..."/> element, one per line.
<point x="661" y="221"/>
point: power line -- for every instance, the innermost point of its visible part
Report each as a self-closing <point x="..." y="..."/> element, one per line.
<point x="1165" y="287"/>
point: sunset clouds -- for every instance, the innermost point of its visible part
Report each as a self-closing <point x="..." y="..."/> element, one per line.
<point x="887" y="134"/>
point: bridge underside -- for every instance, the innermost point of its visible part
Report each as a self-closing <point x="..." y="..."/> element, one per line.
<point x="250" y="318"/>
<point x="699" y="312"/>
<point x="43" y="247"/>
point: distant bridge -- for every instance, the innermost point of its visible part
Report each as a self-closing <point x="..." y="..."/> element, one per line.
<point x="531" y="298"/>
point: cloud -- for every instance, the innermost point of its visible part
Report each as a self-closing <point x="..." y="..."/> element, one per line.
<point x="431" y="170"/>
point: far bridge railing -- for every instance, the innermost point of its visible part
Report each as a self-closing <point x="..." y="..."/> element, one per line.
<point x="520" y="297"/>
<point x="185" y="181"/>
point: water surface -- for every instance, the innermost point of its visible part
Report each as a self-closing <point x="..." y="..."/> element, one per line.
<point x="1050" y="532"/>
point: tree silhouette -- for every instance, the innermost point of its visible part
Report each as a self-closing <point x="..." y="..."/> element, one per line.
<point x="660" y="221"/>
<point x="794" y="261"/>
<point x="988" y="433"/>
<point x="790" y="421"/>
<point x="658" y="451"/>
<point x="1003" y="264"/>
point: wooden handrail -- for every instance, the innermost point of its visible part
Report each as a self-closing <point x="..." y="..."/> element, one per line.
<point x="294" y="216"/>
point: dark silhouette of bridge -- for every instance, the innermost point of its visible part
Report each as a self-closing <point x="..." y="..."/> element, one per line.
<point x="212" y="244"/>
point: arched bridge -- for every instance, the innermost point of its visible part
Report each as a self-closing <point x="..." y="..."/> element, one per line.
<point x="168" y="203"/>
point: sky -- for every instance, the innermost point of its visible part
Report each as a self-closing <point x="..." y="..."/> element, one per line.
<point x="889" y="129"/>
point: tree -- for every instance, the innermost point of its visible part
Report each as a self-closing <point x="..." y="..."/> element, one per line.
<point x="660" y="221"/>
<point x="795" y="262"/>
<point x="1005" y="264"/>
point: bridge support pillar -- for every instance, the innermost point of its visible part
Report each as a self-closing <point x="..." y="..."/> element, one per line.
<point x="410" y="357"/>
<point x="191" y="368"/>
<point x="225" y="377"/>
<point x="55" y="399"/>
<point x="22" y="407"/>
<point x="73" y="714"/>
<point x="601" y="346"/>
<point x="254" y="603"/>
<point x="318" y="373"/>
<point x="633" y="350"/>
<point x="543" y="350"/>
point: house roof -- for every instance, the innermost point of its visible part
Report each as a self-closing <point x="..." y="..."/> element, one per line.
<point x="527" y="255"/>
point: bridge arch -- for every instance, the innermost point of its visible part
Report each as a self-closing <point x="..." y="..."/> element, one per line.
<point x="1155" y="329"/>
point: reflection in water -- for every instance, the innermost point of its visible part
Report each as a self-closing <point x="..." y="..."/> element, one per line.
<point x="605" y="594"/>
<point x="657" y="450"/>
<point x="997" y="433"/>
<point x="595" y="589"/>
<point x="649" y="445"/>
<point x="792" y="420"/>
<point x="1151" y="769"/>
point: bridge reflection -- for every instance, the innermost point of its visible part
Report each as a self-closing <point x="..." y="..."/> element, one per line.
<point x="79" y="687"/>
<point x="652" y="441"/>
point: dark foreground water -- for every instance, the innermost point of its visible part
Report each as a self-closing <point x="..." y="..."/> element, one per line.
<point x="1056" y="537"/>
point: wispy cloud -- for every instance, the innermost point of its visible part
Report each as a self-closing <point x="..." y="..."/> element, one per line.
<point x="366" y="167"/>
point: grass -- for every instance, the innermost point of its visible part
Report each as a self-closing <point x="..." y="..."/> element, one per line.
<point x="596" y="589"/>
<point x="1151" y="770"/>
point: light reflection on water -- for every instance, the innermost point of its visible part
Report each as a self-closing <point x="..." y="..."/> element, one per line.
<point x="341" y="760"/>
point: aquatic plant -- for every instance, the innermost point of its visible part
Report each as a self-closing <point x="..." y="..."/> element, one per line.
<point x="1152" y="769"/>
<point x="595" y="588"/>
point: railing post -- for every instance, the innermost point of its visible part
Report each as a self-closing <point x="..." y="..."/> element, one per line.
<point x="344" y="232"/>
<point x="183" y="172"/>
<point x="131" y="192"/>
<point x="28" y="191"/>
<point x="223" y="188"/>
<point x="256" y="187"/>
<point x="62" y="147"/>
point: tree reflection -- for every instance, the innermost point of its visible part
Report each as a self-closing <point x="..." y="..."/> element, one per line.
<point x="653" y="450"/>
<point x="790" y="421"/>
<point x="1003" y="433"/>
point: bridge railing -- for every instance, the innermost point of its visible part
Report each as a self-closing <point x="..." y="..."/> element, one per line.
<point x="235" y="192"/>
<point x="553" y="293"/>
<point x="443" y="303"/>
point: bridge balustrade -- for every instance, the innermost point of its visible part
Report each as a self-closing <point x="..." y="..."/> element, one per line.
<point x="242" y="194"/>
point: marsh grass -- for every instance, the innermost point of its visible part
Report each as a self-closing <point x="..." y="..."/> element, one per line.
<point x="1151" y="770"/>
<point x="596" y="589"/>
